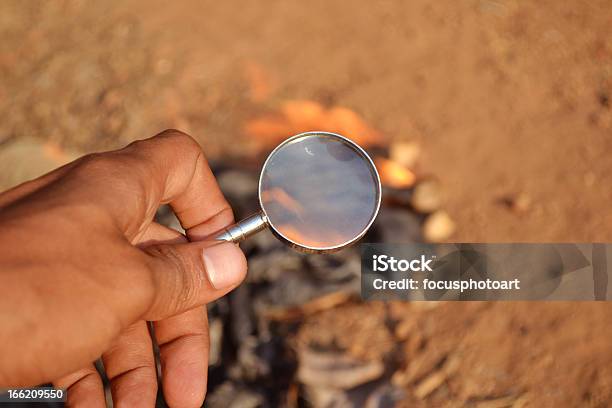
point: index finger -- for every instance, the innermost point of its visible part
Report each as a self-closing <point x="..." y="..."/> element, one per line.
<point x="189" y="184"/>
<point x="169" y="168"/>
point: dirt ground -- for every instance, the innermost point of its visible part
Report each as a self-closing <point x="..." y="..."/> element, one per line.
<point x="511" y="102"/>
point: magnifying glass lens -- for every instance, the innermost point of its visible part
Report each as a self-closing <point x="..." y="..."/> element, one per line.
<point x="319" y="191"/>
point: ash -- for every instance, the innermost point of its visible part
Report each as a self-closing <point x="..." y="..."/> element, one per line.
<point x="255" y="360"/>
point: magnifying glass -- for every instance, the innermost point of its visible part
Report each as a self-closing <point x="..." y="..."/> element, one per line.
<point x="318" y="193"/>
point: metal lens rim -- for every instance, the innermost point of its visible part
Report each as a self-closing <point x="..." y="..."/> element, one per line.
<point x="374" y="171"/>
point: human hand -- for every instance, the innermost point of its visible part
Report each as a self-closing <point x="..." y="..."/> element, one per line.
<point x="83" y="266"/>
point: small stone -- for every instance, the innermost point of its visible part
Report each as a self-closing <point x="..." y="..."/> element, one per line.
<point x="520" y="202"/>
<point x="427" y="196"/>
<point x="405" y="153"/>
<point x="438" y="227"/>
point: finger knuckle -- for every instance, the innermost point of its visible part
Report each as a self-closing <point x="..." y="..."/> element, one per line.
<point x="169" y="138"/>
<point x="114" y="172"/>
<point x="96" y="163"/>
<point x="178" y="137"/>
<point x="181" y="141"/>
<point x="109" y="167"/>
<point x="171" y="132"/>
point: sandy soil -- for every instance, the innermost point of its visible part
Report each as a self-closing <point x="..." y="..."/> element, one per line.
<point x="509" y="101"/>
<point x="506" y="98"/>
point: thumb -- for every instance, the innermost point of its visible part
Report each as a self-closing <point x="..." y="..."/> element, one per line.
<point x="192" y="274"/>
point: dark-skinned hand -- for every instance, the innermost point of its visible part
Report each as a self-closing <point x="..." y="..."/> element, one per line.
<point x="84" y="266"/>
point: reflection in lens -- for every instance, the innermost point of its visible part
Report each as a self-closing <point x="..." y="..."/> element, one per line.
<point x="319" y="191"/>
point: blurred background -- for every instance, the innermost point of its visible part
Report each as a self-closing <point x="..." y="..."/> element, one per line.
<point x="489" y="120"/>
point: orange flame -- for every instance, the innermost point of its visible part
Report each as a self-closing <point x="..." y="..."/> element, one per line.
<point x="283" y="198"/>
<point x="297" y="116"/>
<point x="296" y="236"/>
<point x="394" y="175"/>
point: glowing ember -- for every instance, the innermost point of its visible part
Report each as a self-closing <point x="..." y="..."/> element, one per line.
<point x="394" y="175"/>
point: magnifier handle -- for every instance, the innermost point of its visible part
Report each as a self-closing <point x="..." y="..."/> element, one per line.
<point x="243" y="229"/>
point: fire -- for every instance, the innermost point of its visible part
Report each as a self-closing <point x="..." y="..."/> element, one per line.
<point x="393" y="174"/>
<point x="297" y="116"/>
<point x="303" y="238"/>
<point x="283" y="198"/>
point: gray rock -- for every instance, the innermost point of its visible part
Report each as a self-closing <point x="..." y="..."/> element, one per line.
<point x="438" y="227"/>
<point x="427" y="196"/>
